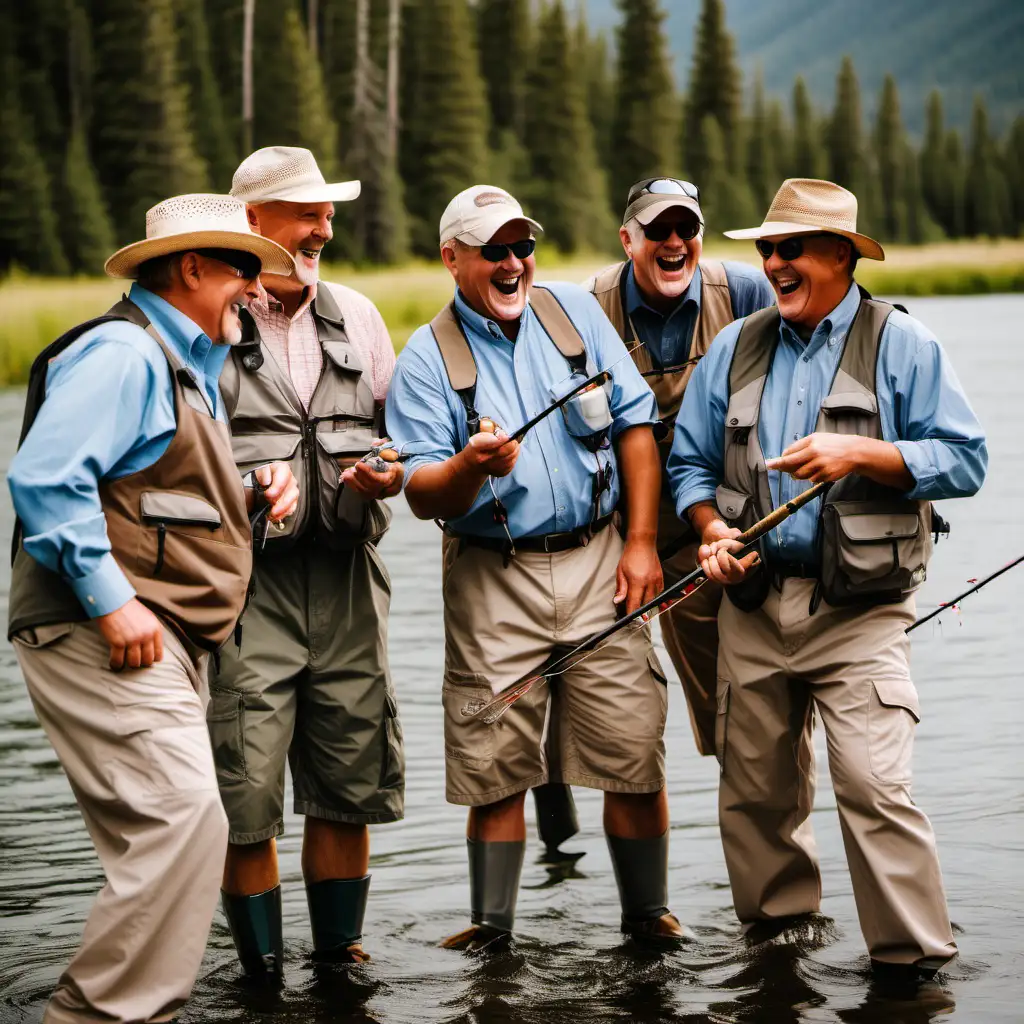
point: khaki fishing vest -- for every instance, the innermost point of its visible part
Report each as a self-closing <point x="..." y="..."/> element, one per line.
<point x="269" y="424"/>
<point x="178" y="529"/>
<point x="874" y="543"/>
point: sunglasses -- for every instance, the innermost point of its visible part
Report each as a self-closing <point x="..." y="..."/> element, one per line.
<point x="663" y="187"/>
<point x="661" y="231"/>
<point x="244" y="264"/>
<point x="789" y="249"/>
<point x="495" y="252"/>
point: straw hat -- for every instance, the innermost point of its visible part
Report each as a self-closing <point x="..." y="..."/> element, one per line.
<point x="198" y="221"/>
<point x="805" y="206"/>
<point x="287" y="174"/>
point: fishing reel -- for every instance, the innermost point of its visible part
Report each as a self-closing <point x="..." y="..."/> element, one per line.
<point x="381" y="456"/>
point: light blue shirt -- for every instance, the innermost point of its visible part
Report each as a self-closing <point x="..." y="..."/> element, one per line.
<point x="923" y="411"/>
<point x="668" y="338"/>
<point x="109" y="412"/>
<point x="550" y="489"/>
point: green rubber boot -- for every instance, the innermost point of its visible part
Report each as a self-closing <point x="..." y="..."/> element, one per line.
<point x="336" y="910"/>
<point x="255" y="924"/>
<point x="494" y="870"/>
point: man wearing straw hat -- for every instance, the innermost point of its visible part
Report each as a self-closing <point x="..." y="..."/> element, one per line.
<point x="132" y="563"/>
<point x="308" y="679"/>
<point x="831" y="386"/>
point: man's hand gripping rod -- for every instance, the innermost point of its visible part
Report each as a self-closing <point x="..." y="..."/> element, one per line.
<point x="679" y="590"/>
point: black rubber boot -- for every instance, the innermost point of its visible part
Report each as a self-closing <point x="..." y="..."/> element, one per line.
<point x="556" y="819"/>
<point x="494" y="870"/>
<point x="336" y="910"/>
<point x="255" y="923"/>
<point x="641" y="873"/>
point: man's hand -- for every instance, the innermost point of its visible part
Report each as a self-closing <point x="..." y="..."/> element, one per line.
<point x="280" y="490"/>
<point x="369" y="484"/>
<point x="135" y="636"/>
<point x="491" y="454"/>
<point x="830" y="457"/>
<point x="718" y="545"/>
<point x="638" y="575"/>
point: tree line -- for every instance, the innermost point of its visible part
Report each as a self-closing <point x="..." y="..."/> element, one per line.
<point x="108" y="106"/>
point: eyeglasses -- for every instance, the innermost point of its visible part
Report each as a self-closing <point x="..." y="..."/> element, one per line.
<point x="661" y="231"/>
<point x="789" y="249"/>
<point x="495" y="252"/>
<point x="663" y="187"/>
<point x="246" y="265"/>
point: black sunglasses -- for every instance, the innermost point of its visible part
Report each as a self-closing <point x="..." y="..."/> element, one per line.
<point x="247" y="265"/>
<point x="663" y="187"/>
<point x="661" y="231"/>
<point x="789" y="249"/>
<point x="495" y="252"/>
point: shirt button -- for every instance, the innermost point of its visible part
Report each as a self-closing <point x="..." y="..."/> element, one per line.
<point x="807" y="359"/>
<point x="561" y="508"/>
<point x="796" y="437"/>
<point x="91" y="599"/>
<point x="800" y="401"/>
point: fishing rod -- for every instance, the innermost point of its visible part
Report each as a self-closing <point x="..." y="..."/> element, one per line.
<point x="591" y="382"/>
<point x="677" y="368"/>
<point x="493" y="710"/>
<point x="967" y="593"/>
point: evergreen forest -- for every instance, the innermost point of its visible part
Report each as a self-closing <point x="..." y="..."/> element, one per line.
<point x="109" y="106"/>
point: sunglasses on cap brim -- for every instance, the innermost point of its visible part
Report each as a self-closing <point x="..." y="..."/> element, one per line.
<point x="663" y="187"/>
<point x="245" y="264"/>
<point x="790" y="249"/>
<point x="495" y="252"/>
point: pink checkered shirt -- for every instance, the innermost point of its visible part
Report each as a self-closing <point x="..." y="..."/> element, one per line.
<point x="294" y="345"/>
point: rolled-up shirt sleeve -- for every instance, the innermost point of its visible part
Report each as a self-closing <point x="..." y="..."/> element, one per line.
<point x="88" y="422"/>
<point x="695" y="466"/>
<point x="931" y="421"/>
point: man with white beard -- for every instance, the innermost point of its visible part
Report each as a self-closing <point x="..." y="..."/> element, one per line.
<point x="308" y="679"/>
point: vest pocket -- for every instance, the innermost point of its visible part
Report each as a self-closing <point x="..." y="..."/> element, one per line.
<point x="164" y="509"/>
<point x="347" y="518"/>
<point x="254" y="450"/>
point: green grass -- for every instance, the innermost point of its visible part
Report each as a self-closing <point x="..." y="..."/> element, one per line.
<point x="35" y="311"/>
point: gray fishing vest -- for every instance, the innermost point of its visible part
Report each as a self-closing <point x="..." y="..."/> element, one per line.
<point x="874" y="543"/>
<point x="269" y="424"/>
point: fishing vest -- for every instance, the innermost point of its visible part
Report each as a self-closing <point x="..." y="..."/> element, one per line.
<point x="460" y="366"/>
<point x="270" y="424"/>
<point x="178" y="529"/>
<point x="874" y="544"/>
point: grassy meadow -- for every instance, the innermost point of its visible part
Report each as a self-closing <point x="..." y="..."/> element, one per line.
<point x="34" y="311"/>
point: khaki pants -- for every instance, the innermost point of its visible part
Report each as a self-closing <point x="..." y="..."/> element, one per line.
<point x="136" y="752"/>
<point x="851" y="665"/>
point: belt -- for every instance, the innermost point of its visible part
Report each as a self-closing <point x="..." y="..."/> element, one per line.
<point x="550" y="543"/>
<point x="794" y="570"/>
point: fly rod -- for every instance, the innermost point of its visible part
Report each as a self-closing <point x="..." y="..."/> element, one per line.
<point x="967" y="593"/>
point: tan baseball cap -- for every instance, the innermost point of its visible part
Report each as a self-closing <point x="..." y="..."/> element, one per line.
<point x="650" y="197"/>
<point x="476" y="214"/>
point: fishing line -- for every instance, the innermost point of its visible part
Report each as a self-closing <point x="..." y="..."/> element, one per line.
<point x="967" y="593"/>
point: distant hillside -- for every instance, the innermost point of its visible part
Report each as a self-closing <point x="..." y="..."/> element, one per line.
<point x="960" y="47"/>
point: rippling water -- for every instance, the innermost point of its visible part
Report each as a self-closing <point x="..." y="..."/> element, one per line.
<point x="568" y="963"/>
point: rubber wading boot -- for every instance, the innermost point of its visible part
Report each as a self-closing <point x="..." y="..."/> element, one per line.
<point x="556" y="820"/>
<point x="336" y="910"/>
<point x="494" y="870"/>
<point x="641" y="873"/>
<point x="255" y="923"/>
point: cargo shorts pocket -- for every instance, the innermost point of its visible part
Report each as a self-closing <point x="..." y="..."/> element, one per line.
<point x="893" y="713"/>
<point x="467" y="737"/>
<point x="392" y="764"/>
<point x="225" y="719"/>
<point x="722" y="724"/>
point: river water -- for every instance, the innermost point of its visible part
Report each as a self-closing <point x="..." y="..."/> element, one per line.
<point x="569" y="964"/>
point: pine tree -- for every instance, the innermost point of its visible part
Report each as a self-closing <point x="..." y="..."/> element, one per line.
<point x="337" y="35"/>
<point x="443" y="147"/>
<point x="591" y="59"/>
<point x="957" y="171"/>
<point x="845" y="145"/>
<point x="726" y="199"/>
<point x="714" y="90"/>
<point x="808" y="154"/>
<point x="645" y="126"/>
<point x="224" y="19"/>
<point x="88" y="233"/>
<point x="935" y="177"/>
<point x="142" y="147"/>
<point x="987" y="209"/>
<point x="890" y="146"/>
<point x="503" y="42"/>
<point x="781" y="142"/>
<point x="1013" y="159"/>
<point x="920" y="227"/>
<point x="566" y="190"/>
<point x="762" y="171"/>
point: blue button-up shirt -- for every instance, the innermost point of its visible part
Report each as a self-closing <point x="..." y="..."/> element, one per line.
<point x="668" y="338"/>
<point x="550" y="489"/>
<point x="109" y="412"/>
<point x="923" y="410"/>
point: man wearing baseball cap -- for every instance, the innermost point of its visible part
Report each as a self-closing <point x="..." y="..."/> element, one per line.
<point x="533" y="562"/>
<point x="132" y="563"/>
<point x="667" y="303"/>
<point x="833" y="387"/>
<point x="308" y="680"/>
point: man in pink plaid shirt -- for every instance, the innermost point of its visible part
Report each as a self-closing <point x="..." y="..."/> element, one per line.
<point x="308" y="680"/>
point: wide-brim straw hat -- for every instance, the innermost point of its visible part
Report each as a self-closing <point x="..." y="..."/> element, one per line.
<point x="287" y="174"/>
<point x="805" y="206"/>
<point x="198" y="221"/>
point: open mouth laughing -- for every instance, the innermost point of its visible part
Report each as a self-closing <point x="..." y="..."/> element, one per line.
<point x="787" y="282"/>
<point x="508" y="284"/>
<point x="671" y="263"/>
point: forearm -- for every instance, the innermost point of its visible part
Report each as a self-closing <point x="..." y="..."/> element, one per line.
<point x="702" y="514"/>
<point x="641" y="481"/>
<point x="444" y="490"/>
<point x="883" y="462"/>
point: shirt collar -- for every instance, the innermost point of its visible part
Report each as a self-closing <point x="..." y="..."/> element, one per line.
<point x="265" y="303"/>
<point x="635" y="299"/>
<point x="482" y="324"/>
<point x="832" y="328"/>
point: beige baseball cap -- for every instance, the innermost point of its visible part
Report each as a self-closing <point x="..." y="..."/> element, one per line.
<point x="650" y="197"/>
<point x="476" y="214"/>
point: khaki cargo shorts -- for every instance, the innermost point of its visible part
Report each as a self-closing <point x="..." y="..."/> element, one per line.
<point x="310" y="684"/>
<point x="599" y="724"/>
